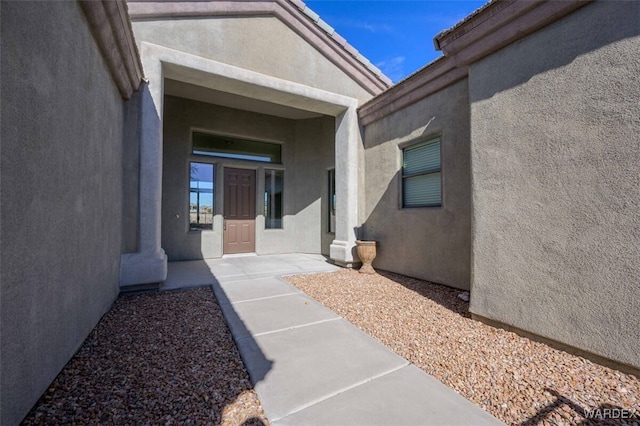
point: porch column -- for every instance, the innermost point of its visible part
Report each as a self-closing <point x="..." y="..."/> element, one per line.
<point x="342" y="249"/>
<point x="149" y="264"/>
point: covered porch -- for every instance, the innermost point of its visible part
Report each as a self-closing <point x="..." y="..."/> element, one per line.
<point x="318" y="135"/>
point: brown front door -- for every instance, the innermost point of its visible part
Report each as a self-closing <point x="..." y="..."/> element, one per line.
<point x="239" y="211"/>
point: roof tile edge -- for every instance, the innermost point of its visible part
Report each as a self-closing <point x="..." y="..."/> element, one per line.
<point x="341" y="41"/>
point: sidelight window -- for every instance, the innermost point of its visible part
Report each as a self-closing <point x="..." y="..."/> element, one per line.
<point x="332" y="200"/>
<point x="273" y="188"/>
<point x="200" y="196"/>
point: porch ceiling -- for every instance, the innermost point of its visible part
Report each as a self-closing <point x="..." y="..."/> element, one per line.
<point x="231" y="100"/>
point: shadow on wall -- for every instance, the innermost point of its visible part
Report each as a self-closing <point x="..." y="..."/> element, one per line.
<point x="401" y="125"/>
<point x="430" y="243"/>
<point x="583" y="31"/>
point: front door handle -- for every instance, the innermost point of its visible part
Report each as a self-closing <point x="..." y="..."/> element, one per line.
<point x="224" y="226"/>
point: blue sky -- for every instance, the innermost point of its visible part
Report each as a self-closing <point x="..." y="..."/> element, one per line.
<point x="395" y="35"/>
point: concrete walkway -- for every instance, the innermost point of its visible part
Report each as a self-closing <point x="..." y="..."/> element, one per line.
<point x="308" y="365"/>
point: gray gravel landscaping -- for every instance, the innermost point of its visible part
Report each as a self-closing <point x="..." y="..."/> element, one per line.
<point x="163" y="358"/>
<point x="520" y="381"/>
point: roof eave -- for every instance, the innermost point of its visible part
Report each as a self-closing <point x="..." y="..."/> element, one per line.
<point x="111" y="28"/>
<point x="499" y="23"/>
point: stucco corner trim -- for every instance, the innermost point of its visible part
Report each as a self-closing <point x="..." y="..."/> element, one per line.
<point x="498" y="24"/>
<point x="111" y="28"/>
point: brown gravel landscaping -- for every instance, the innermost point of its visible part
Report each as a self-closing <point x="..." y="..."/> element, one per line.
<point x="163" y="358"/>
<point x="520" y="381"/>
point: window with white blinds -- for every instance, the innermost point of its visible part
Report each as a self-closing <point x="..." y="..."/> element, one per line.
<point x="421" y="177"/>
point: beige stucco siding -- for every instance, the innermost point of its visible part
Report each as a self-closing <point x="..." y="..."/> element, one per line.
<point x="555" y="124"/>
<point x="61" y="196"/>
<point x="431" y="243"/>
<point x="314" y="151"/>
<point x="260" y="44"/>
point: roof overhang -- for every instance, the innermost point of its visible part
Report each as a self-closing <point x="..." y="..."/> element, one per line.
<point x="292" y="13"/>
<point x="498" y="24"/>
<point x="112" y="31"/>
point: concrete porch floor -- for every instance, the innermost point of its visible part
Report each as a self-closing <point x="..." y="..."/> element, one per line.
<point x="310" y="366"/>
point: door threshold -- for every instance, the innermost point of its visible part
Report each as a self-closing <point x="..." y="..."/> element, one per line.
<point x="226" y="256"/>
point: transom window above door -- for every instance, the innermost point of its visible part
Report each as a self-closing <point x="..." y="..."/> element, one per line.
<point x="236" y="148"/>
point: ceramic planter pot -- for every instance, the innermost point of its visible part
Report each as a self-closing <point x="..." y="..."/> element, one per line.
<point x="366" y="252"/>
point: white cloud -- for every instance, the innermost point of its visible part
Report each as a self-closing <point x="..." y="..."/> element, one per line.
<point x="372" y="27"/>
<point x="392" y="67"/>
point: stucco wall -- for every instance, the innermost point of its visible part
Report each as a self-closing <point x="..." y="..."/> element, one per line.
<point x="307" y="148"/>
<point x="430" y="243"/>
<point x="314" y="156"/>
<point x="61" y="202"/>
<point x="131" y="174"/>
<point x="555" y="121"/>
<point x="262" y="44"/>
